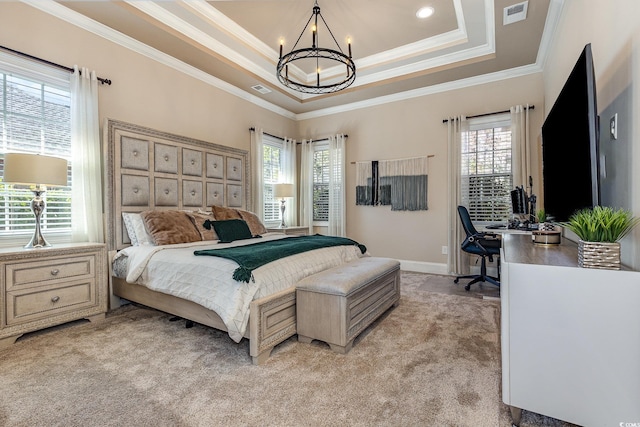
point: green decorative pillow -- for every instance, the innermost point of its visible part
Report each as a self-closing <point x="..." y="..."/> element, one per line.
<point x="231" y="229"/>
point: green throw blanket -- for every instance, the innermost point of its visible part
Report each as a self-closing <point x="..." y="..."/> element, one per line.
<point x="252" y="256"/>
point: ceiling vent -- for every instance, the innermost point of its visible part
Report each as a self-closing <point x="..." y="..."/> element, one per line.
<point x="263" y="90"/>
<point x="515" y="13"/>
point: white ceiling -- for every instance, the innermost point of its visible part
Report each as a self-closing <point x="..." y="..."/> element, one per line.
<point x="234" y="44"/>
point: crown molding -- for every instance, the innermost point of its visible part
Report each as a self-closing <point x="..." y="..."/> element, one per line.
<point x="425" y="91"/>
<point x="81" y="21"/>
<point x="550" y="28"/>
<point x="220" y="20"/>
<point x="59" y="11"/>
<point x="163" y="15"/>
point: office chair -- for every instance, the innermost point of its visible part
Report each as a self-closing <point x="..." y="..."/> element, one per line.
<point x="485" y="245"/>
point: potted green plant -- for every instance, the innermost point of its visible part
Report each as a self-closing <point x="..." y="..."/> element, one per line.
<point x="599" y="230"/>
<point x="543" y="225"/>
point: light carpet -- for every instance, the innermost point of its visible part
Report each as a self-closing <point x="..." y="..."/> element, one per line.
<point x="432" y="361"/>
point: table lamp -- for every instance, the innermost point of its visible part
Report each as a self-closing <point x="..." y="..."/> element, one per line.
<point x="280" y="191"/>
<point x="38" y="172"/>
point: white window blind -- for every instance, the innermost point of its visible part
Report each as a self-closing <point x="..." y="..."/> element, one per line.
<point x="271" y="175"/>
<point x="486" y="173"/>
<point x="34" y="118"/>
<point x="321" y="185"/>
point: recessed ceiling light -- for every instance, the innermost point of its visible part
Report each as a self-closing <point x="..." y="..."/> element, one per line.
<point x="424" y="12"/>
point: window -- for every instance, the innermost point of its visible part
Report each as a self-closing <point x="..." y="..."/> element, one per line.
<point x="271" y="175"/>
<point x="321" y="183"/>
<point x="487" y="177"/>
<point x="34" y="118"/>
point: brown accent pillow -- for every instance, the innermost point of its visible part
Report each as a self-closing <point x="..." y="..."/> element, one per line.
<point x="170" y="227"/>
<point x="255" y="225"/>
<point x="198" y="218"/>
<point x="221" y="213"/>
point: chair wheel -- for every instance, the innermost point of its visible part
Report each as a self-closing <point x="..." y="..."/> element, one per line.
<point x="467" y="288"/>
<point x="456" y="281"/>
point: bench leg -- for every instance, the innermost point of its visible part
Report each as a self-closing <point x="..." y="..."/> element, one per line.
<point x="304" y="339"/>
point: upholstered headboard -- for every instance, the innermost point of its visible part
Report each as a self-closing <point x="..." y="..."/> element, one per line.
<point x="148" y="169"/>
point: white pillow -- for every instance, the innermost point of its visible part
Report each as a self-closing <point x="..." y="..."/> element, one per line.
<point x="135" y="228"/>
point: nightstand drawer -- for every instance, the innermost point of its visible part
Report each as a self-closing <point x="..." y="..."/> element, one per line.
<point x="37" y="273"/>
<point x="31" y="304"/>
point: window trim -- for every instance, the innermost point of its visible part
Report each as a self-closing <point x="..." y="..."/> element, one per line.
<point x="268" y="140"/>
<point x="23" y="68"/>
<point x="489" y="122"/>
<point x="319" y="146"/>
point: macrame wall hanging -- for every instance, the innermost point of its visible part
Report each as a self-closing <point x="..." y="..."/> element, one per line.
<point x="400" y="183"/>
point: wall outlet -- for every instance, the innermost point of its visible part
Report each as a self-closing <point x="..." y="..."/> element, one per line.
<point x="445" y="250"/>
<point x="613" y="127"/>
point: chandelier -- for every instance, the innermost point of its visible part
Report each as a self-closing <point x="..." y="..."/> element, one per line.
<point x="322" y="58"/>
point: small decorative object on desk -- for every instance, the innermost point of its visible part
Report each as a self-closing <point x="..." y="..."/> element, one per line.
<point x="546" y="226"/>
<point x="546" y="236"/>
<point x="599" y="230"/>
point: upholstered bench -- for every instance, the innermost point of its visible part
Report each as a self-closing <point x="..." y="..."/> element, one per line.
<point x="335" y="305"/>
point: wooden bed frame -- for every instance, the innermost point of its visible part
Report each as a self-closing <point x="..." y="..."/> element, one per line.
<point x="148" y="169"/>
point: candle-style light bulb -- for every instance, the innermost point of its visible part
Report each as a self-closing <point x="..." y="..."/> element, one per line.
<point x="313" y="30"/>
<point x="281" y="44"/>
<point x="349" y="43"/>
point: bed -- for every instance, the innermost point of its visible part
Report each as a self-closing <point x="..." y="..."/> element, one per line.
<point x="151" y="174"/>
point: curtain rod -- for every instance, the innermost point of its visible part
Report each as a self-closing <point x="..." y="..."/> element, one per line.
<point x="53" y="64"/>
<point x="428" y="156"/>
<point x="530" y="107"/>
<point x="282" y="139"/>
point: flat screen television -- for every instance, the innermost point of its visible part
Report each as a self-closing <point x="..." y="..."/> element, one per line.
<point x="570" y="137"/>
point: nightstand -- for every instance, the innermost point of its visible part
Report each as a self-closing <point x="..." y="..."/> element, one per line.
<point x="299" y="230"/>
<point x="45" y="287"/>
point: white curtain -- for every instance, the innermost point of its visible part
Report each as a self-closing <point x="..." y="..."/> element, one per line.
<point x="521" y="145"/>
<point x="337" y="198"/>
<point x="306" y="185"/>
<point x="288" y="175"/>
<point x="257" y="180"/>
<point x="86" y="205"/>
<point x="457" y="263"/>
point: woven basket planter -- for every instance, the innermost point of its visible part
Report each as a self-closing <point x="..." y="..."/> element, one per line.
<point x="599" y="255"/>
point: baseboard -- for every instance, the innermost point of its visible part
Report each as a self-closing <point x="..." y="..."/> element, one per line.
<point x="424" y="267"/>
<point x="441" y="269"/>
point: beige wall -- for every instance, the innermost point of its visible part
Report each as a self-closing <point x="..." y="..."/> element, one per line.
<point x="147" y="93"/>
<point x="143" y="92"/>
<point x="414" y="128"/>
<point x="614" y="34"/>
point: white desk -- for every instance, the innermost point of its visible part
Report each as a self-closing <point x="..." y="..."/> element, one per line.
<point x="503" y="230"/>
<point x="570" y="335"/>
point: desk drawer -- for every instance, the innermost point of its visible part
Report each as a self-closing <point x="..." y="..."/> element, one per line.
<point x="34" y="303"/>
<point x="37" y="273"/>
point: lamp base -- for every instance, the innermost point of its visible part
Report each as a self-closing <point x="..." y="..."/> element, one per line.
<point x="37" y="241"/>
<point x="37" y="207"/>
<point x="282" y="225"/>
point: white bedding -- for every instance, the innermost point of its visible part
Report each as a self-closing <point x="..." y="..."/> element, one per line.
<point x="208" y="281"/>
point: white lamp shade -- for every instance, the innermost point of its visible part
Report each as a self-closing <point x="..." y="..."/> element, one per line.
<point x="20" y="168"/>
<point x="282" y="190"/>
